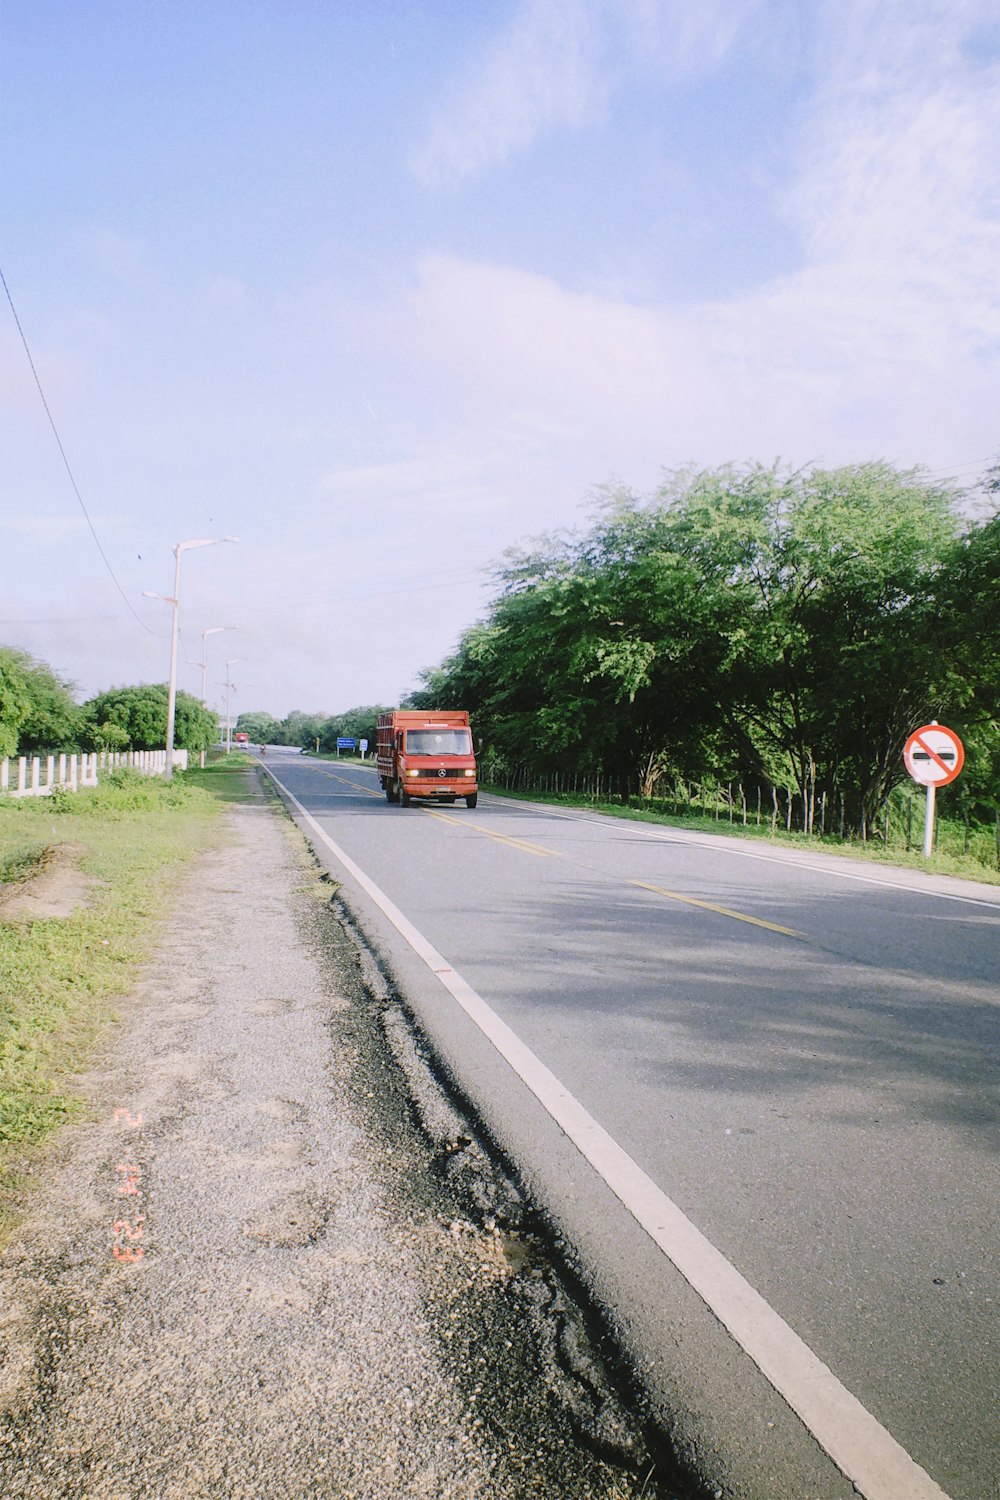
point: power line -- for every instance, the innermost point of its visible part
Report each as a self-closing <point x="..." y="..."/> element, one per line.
<point x="968" y="463"/>
<point x="69" y="471"/>
<point x="269" y="608"/>
<point x="66" y="620"/>
<point x="348" y="598"/>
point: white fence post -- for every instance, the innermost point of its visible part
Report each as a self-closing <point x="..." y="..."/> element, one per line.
<point x="76" y="770"/>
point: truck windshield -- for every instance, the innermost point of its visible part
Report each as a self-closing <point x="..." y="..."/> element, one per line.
<point x="438" y="742"/>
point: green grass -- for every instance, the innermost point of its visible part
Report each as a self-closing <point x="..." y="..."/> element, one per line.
<point x="229" y="778"/>
<point x="346" y="757"/>
<point x="948" y="858"/>
<point x="60" y="977"/>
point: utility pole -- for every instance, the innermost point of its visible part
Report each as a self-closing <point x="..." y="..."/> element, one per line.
<point x="212" y="630"/>
<point x="229" y="689"/>
<point x="174" y="600"/>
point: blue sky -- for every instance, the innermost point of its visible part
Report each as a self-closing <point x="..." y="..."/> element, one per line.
<point x="384" y="289"/>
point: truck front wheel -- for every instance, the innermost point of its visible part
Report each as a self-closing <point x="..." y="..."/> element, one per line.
<point x="390" y="792"/>
<point x="403" y="795"/>
<point x="472" y="799"/>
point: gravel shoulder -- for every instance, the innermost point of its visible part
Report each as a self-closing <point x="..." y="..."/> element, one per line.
<point x="274" y="1259"/>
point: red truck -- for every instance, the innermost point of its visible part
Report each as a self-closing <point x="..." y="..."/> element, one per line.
<point x="426" y="755"/>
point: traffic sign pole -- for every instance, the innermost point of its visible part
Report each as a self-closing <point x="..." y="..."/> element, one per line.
<point x="934" y="756"/>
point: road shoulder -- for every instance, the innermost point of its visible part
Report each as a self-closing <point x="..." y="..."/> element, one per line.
<point x="250" y="1271"/>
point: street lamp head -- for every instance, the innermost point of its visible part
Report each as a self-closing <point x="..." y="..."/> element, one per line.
<point x="202" y="541"/>
<point x="148" y="594"/>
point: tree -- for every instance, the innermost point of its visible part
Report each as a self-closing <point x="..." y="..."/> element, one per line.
<point x="303" y="729"/>
<point x="15" y="699"/>
<point x="37" y="709"/>
<point x="195" y="726"/>
<point x="141" y="714"/>
<point x="747" y="622"/>
<point x="354" y="724"/>
<point x="262" y="728"/>
<point x="967" y="620"/>
<point x="831" y="577"/>
<point x="110" y="736"/>
<point x="53" y="721"/>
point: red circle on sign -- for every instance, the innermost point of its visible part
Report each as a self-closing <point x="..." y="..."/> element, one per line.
<point x="934" y="755"/>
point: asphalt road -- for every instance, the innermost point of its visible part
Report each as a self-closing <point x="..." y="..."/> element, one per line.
<point x="799" y="1052"/>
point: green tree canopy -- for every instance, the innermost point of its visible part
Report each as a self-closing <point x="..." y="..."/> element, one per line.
<point x="15" y="699"/>
<point x="141" y="713"/>
<point x="54" y="720"/>
<point x="262" y="728"/>
<point x="303" y="729"/>
<point x="354" y="723"/>
<point x="789" y="626"/>
<point x="38" y="713"/>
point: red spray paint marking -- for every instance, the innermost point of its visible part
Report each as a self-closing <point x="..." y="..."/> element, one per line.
<point x="128" y="1231"/>
<point x="130" y="1187"/>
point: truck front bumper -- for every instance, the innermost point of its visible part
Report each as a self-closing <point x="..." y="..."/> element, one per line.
<point x="436" y="791"/>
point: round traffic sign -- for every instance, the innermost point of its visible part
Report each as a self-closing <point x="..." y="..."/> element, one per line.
<point x="934" y="755"/>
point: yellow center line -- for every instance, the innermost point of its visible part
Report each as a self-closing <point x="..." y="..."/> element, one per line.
<point x="501" y="838"/>
<point x="332" y="776"/>
<point x="526" y="848"/>
<point x="723" y="911"/>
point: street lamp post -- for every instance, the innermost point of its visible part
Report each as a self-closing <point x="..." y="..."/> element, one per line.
<point x="212" y="630"/>
<point x="174" y="602"/>
<point x="229" y="687"/>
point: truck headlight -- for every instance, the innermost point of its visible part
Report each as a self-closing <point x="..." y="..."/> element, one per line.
<point x="470" y="773"/>
<point x="413" y="773"/>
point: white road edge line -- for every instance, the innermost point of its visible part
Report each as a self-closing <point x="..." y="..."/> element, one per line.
<point x="770" y="859"/>
<point x="870" y="1457"/>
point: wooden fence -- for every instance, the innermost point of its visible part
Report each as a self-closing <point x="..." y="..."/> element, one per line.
<point x="39" y="775"/>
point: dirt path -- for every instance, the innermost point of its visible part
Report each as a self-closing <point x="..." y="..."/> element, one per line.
<point x="242" y="1278"/>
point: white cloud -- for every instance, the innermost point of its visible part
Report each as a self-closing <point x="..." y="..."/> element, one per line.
<point x="677" y="38"/>
<point x="379" y="447"/>
<point x="558" y="64"/>
<point x="544" y="71"/>
<point x="883" y="342"/>
<point x="44" y="531"/>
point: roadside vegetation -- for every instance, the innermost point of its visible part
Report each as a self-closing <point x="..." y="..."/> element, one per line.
<point x="60" y="975"/>
<point x="40" y="716"/>
<point x="773" y="631"/>
<point x="316" y="732"/>
<point x="960" y="849"/>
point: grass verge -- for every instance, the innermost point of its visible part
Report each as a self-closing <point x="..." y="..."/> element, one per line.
<point x="226" y="777"/>
<point x="948" y="858"/>
<point x="60" y="976"/>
